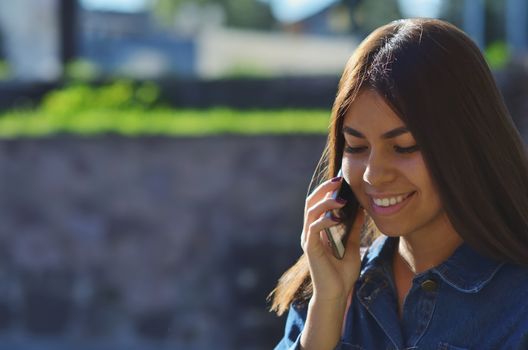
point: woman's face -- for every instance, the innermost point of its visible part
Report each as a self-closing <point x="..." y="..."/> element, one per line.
<point x="386" y="171"/>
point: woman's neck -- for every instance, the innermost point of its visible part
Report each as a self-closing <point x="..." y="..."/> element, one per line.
<point x="422" y="251"/>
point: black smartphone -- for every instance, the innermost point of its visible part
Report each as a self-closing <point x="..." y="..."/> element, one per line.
<point x="337" y="235"/>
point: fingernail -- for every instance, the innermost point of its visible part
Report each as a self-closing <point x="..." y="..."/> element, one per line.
<point x="336" y="179"/>
<point x="341" y="200"/>
<point x="335" y="218"/>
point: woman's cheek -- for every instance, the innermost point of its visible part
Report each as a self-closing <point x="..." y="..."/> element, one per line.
<point x="353" y="174"/>
<point x="346" y="168"/>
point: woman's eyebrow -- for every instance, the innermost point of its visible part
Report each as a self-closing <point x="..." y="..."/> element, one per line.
<point x="387" y="135"/>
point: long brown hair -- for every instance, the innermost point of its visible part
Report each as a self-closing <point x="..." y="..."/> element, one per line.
<point x="436" y="80"/>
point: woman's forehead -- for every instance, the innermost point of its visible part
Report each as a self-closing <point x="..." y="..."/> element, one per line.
<point x="370" y="109"/>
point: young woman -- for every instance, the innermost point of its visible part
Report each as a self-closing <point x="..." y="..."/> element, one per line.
<point x="440" y="172"/>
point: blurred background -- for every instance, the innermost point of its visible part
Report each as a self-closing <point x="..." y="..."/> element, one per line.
<point x="155" y="156"/>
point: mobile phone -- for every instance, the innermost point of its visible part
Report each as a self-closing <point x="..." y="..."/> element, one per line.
<point x="337" y="235"/>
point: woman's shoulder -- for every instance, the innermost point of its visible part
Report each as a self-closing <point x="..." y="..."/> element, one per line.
<point x="509" y="290"/>
<point x="505" y="302"/>
<point x="513" y="279"/>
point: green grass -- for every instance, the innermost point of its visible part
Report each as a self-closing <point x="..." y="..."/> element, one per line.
<point x="166" y="122"/>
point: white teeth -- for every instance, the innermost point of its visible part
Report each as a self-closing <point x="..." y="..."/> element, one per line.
<point x="385" y="202"/>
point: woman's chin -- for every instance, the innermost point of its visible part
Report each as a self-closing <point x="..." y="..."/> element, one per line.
<point x="390" y="234"/>
<point x="390" y="230"/>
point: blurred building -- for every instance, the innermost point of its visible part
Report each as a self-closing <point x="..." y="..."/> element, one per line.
<point x="307" y="37"/>
<point x="231" y="53"/>
<point x="199" y="45"/>
<point x="131" y="44"/>
<point x="29" y="33"/>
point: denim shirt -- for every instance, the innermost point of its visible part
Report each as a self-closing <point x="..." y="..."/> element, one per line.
<point x="467" y="302"/>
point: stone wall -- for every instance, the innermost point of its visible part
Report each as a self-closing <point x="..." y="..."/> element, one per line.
<point x="148" y="243"/>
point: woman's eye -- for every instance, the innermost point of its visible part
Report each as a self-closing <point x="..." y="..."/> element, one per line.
<point x="410" y="149"/>
<point x="349" y="149"/>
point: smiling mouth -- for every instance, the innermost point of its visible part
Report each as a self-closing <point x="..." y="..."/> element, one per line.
<point x="390" y="205"/>
<point x="390" y="201"/>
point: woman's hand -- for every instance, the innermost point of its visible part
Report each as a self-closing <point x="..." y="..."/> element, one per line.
<point x="332" y="279"/>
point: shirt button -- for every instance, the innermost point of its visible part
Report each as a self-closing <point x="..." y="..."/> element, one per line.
<point x="429" y="285"/>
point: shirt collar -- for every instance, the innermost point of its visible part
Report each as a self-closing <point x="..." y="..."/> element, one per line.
<point x="465" y="270"/>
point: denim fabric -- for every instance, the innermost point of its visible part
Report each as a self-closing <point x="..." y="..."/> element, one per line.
<point x="467" y="302"/>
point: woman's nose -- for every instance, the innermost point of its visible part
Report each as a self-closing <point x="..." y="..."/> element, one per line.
<point x="378" y="170"/>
